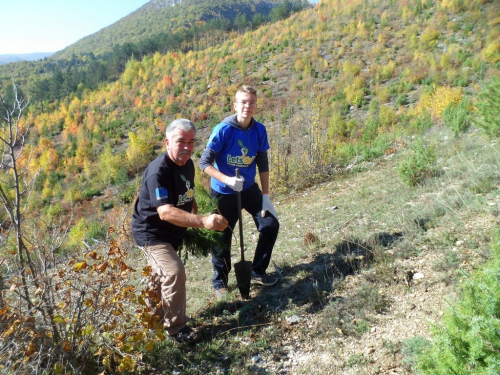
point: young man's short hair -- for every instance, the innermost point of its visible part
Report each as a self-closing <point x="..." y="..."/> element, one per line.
<point x="247" y="89"/>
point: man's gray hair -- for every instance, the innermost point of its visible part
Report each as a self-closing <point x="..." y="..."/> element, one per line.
<point x="180" y="123"/>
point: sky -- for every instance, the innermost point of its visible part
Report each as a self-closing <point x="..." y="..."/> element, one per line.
<point x="28" y="26"/>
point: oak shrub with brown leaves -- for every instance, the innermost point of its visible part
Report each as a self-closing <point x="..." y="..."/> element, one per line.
<point x="88" y="315"/>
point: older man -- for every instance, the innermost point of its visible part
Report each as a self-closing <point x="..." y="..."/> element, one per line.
<point x="164" y="209"/>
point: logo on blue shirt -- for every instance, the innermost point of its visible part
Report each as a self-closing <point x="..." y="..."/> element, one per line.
<point x="161" y="193"/>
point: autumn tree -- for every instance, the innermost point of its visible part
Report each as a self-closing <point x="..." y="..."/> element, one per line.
<point x="15" y="183"/>
<point x="140" y="149"/>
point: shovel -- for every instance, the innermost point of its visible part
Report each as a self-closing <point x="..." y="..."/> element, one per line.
<point x="242" y="269"/>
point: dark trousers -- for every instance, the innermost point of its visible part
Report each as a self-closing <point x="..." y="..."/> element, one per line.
<point x="268" y="227"/>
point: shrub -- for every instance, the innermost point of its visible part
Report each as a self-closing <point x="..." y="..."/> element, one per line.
<point x="429" y="37"/>
<point x="387" y="117"/>
<point x="85" y="230"/>
<point x="121" y="177"/>
<point x="89" y="193"/>
<point x="457" y="117"/>
<point x="387" y="71"/>
<point x="90" y="318"/>
<point x="54" y="210"/>
<point x="351" y="67"/>
<point x="103" y="206"/>
<point x="492" y="52"/>
<point x="371" y="130"/>
<point x="488" y="111"/>
<point x="412" y="348"/>
<point x="127" y="194"/>
<point x="354" y="96"/>
<point x="468" y="339"/>
<point x="418" y="166"/>
<point x="443" y="97"/>
<point x="402" y="99"/>
<point x="421" y="123"/>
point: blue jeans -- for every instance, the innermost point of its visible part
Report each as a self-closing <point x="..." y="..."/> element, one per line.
<point x="268" y="227"/>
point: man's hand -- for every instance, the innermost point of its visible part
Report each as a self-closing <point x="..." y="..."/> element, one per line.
<point x="268" y="206"/>
<point x="215" y="222"/>
<point x="235" y="183"/>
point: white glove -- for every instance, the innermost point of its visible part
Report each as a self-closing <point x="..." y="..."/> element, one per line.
<point x="267" y="206"/>
<point x="235" y="183"/>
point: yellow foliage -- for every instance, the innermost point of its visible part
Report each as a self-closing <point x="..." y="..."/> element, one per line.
<point x="494" y="22"/>
<point x="407" y="13"/>
<point x="351" y="67"/>
<point x="341" y="52"/>
<point x="445" y="60"/>
<point x="429" y="37"/>
<point x="387" y="116"/>
<point x="437" y="101"/>
<point x="388" y="70"/>
<point x="353" y="95"/>
<point x="212" y="91"/>
<point x="299" y="65"/>
<point x="358" y="82"/>
<point x="138" y="151"/>
<point x="361" y="27"/>
<point x="74" y="106"/>
<point x="492" y="51"/>
<point x="383" y="37"/>
<point x="73" y="195"/>
<point x="383" y="94"/>
<point x="350" y="28"/>
<point x="315" y="52"/>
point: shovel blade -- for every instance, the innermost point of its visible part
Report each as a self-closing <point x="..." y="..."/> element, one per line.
<point x="243" y="271"/>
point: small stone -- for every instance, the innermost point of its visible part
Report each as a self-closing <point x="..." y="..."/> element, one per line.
<point x="294" y="319"/>
<point x="418" y="275"/>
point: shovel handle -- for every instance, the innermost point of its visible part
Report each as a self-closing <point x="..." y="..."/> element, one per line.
<point x="238" y="197"/>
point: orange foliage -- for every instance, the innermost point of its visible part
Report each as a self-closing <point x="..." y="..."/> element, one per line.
<point x="72" y="128"/>
<point x="167" y="81"/>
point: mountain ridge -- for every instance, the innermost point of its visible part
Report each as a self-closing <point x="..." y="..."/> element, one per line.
<point x="16" y="57"/>
<point x="161" y="16"/>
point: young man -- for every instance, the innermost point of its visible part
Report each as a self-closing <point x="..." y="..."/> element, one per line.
<point x="241" y="142"/>
<point x="163" y="211"/>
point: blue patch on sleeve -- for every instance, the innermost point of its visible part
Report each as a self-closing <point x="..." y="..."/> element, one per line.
<point x="161" y="193"/>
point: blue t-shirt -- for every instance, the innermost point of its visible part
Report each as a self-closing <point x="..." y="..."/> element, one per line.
<point x="237" y="148"/>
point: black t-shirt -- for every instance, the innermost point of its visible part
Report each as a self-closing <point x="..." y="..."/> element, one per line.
<point x="163" y="182"/>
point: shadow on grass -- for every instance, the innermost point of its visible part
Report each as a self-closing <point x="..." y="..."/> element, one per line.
<point x="308" y="285"/>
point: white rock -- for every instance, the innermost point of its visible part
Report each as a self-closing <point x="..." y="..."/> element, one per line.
<point x="294" y="319"/>
<point x="418" y="275"/>
<point x="256" y="358"/>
